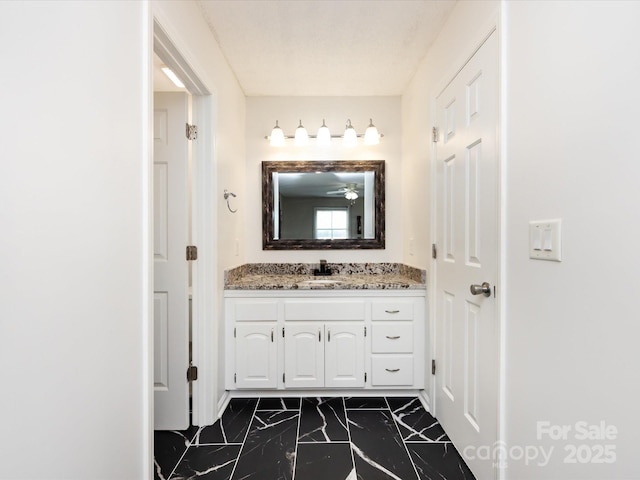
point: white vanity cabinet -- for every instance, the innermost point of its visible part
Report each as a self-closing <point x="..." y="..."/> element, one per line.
<point x="254" y="343"/>
<point x="256" y="355"/>
<point x="393" y="343"/>
<point x="325" y="340"/>
<point x="318" y="355"/>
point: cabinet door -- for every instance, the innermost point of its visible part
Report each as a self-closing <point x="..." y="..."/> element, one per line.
<point x="304" y="355"/>
<point x="256" y="355"/>
<point x="344" y="350"/>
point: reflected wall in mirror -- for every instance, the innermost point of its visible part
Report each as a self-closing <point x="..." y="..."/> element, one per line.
<point x="316" y="205"/>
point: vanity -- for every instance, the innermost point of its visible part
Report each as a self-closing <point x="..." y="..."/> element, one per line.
<point x="342" y="328"/>
<point x="361" y="328"/>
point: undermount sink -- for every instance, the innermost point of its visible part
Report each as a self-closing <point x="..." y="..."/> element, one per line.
<point x="324" y="282"/>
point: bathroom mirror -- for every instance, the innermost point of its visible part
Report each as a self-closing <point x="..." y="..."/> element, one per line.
<point x="318" y="205"/>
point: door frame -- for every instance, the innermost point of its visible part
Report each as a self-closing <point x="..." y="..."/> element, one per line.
<point x="203" y="219"/>
<point x="494" y="26"/>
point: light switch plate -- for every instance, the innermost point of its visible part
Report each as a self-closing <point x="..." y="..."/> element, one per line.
<point x="545" y="240"/>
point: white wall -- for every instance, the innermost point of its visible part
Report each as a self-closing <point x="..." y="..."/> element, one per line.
<point x="74" y="250"/>
<point x="573" y="71"/>
<point x="184" y="23"/>
<point x="466" y="26"/>
<point x="75" y="363"/>
<point x="262" y="113"/>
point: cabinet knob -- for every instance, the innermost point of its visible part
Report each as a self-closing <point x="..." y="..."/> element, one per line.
<point x="392" y="370"/>
<point x="392" y="311"/>
<point x="393" y="337"/>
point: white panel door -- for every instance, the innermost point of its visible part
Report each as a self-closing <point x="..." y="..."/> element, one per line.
<point x="171" y="282"/>
<point x="304" y="355"/>
<point x="467" y="335"/>
<point x="344" y="354"/>
<point x="256" y="355"/>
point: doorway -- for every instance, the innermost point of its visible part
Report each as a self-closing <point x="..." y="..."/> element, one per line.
<point x="202" y="192"/>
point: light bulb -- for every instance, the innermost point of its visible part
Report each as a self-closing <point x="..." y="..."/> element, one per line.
<point x="277" y="136"/>
<point x="302" y="137"/>
<point x="371" y="135"/>
<point x="350" y="137"/>
<point x="324" y="135"/>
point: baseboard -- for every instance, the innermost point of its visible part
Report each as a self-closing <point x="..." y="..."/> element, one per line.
<point x="425" y="400"/>
<point x="322" y="393"/>
<point x="223" y="402"/>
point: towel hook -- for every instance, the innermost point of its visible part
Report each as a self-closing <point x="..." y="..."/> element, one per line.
<point x="226" y="197"/>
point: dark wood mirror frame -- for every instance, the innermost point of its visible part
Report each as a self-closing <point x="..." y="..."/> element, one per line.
<point x="269" y="167"/>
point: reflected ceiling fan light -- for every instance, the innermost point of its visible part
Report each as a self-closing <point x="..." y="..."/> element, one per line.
<point x="277" y="136"/>
<point x="302" y="137"/>
<point x="350" y="137"/>
<point x="371" y="135"/>
<point x="324" y="135"/>
<point x="351" y="195"/>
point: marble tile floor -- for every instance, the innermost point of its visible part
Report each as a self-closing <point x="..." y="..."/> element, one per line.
<point x="334" y="438"/>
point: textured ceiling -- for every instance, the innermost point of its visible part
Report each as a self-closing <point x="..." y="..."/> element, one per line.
<point x="325" y="47"/>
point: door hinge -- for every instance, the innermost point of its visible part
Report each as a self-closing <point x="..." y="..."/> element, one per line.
<point x="365" y="331"/>
<point x="283" y="378"/>
<point x="282" y="332"/>
<point x="191" y="132"/>
<point x="234" y="332"/>
<point x="434" y="251"/>
<point x="365" y="377"/>
<point x="235" y="378"/>
<point x="192" y="373"/>
<point x="433" y="367"/>
<point x="435" y="134"/>
<point x="192" y="252"/>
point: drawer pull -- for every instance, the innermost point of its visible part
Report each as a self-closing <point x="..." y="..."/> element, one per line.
<point x="392" y="311"/>
<point x="393" y="337"/>
<point x="392" y="370"/>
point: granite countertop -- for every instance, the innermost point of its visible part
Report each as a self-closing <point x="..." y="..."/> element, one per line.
<point x="369" y="276"/>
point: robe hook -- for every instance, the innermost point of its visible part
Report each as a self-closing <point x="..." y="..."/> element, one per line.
<point x="226" y="197"/>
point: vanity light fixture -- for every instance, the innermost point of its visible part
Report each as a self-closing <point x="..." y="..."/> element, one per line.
<point x="350" y="137"/>
<point x="324" y="137"/>
<point x="277" y="136"/>
<point x="371" y="135"/>
<point x="302" y="137"/>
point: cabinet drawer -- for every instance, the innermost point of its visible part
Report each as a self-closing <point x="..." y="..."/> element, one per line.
<point x="391" y="370"/>
<point x="393" y="310"/>
<point x="321" y="311"/>
<point x="255" y="310"/>
<point x="392" y="337"/>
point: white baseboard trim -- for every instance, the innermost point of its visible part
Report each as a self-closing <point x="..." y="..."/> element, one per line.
<point x="424" y="399"/>
<point x="223" y="402"/>
<point x="322" y="393"/>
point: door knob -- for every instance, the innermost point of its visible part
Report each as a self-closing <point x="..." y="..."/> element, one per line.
<point x="484" y="289"/>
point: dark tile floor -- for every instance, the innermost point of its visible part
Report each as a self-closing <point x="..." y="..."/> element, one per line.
<point x="313" y="439"/>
